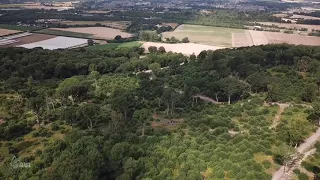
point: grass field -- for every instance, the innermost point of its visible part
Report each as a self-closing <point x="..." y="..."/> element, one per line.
<point x="19" y="28"/>
<point x="208" y="35"/>
<point x="116" y="45"/>
<point x="64" y="33"/>
<point x="96" y="32"/>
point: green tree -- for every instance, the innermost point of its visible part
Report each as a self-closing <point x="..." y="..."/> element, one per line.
<point x="90" y="42"/>
<point x="118" y="38"/>
<point x="152" y="49"/>
<point x="161" y="49"/>
<point x="185" y="40"/>
<point x="309" y="92"/>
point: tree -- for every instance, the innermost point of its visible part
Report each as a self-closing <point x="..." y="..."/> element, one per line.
<point x="90" y="42"/>
<point x="82" y="159"/>
<point x="63" y="70"/>
<point x="193" y="57"/>
<point x="202" y="55"/>
<point x="161" y="49"/>
<point x="118" y="38"/>
<point x="141" y="117"/>
<point x="274" y="92"/>
<point x="309" y="92"/>
<point x="185" y="40"/>
<point x="152" y="49"/>
<point x="231" y="86"/>
<point x="170" y="97"/>
<point x="316" y="111"/>
<point x="73" y="89"/>
<point x="154" y="67"/>
<point x="258" y="81"/>
<point x="36" y="103"/>
<point x="88" y="115"/>
<point x="303" y="63"/>
<point x="194" y="91"/>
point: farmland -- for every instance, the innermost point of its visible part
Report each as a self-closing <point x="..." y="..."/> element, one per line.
<point x="292" y="26"/>
<point x="64" y="33"/>
<point x="208" y="35"/>
<point x="262" y="37"/>
<point x="19" y="28"/>
<point x="184" y="48"/>
<point x="114" y="24"/>
<point x="57" y="43"/>
<point x="38" y="6"/>
<point x="95" y="32"/>
<point x="29" y="39"/>
<point x="295" y="16"/>
<point x="4" y="32"/>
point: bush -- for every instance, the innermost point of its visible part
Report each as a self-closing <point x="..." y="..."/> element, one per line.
<point x="296" y="171"/>
<point x="303" y="176"/>
<point x="266" y="164"/>
<point x="42" y="132"/>
<point x="55" y="127"/>
<point x="38" y="152"/>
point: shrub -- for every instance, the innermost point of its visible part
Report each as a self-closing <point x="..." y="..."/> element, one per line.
<point x="266" y="164"/>
<point x="296" y="171"/>
<point x="38" y="152"/>
<point x="303" y="176"/>
<point x="55" y="127"/>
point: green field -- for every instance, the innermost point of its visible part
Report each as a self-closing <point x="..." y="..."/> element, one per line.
<point x="19" y="28"/>
<point x="116" y="45"/>
<point x="209" y="35"/>
<point x="64" y="33"/>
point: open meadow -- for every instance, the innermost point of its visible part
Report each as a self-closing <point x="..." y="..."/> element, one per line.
<point x="96" y="32"/>
<point x="208" y="35"/>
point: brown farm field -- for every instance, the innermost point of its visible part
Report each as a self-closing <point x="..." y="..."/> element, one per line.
<point x="4" y="32"/>
<point x="295" y="16"/>
<point x="262" y="37"/>
<point x="280" y="15"/>
<point x="97" y="32"/>
<point x="29" y="39"/>
<point x="114" y="24"/>
<point x="297" y="26"/>
<point x="184" y="48"/>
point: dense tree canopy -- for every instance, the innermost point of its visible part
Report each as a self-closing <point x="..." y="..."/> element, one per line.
<point x="114" y="114"/>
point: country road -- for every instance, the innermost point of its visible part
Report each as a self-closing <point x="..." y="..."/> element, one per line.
<point x="304" y="150"/>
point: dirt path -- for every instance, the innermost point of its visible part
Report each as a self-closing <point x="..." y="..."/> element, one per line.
<point x="303" y="151"/>
<point x="277" y="117"/>
<point x="207" y="99"/>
